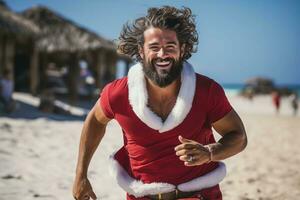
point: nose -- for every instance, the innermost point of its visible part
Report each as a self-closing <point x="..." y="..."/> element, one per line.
<point x="161" y="53"/>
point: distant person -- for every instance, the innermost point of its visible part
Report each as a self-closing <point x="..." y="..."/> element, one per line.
<point x="294" y="103"/>
<point x="276" y="98"/>
<point x="87" y="81"/>
<point x="249" y="93"/>
<point x="6" y="91"/>
<point x="167" y="112"/>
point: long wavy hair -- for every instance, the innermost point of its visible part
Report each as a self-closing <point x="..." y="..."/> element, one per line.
<point x="179" y="20"/>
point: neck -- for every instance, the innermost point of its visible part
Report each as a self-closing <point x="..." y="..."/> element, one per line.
<point x="162" y="94"/>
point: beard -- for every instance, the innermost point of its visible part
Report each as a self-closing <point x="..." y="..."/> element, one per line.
<point x="162" y="77"/>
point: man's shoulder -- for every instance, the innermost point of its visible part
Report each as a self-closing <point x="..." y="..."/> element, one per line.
<point x="117" y="87"/>
<point x="209" y="86"/>
<point x="120" y="83"/>
<point x="204" y="81"/>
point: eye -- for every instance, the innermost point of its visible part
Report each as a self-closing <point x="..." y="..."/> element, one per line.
<point x="154" y="48"/>
<point x="170" y="47"/>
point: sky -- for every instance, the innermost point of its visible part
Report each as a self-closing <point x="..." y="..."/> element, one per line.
<point x="237" y="39"/>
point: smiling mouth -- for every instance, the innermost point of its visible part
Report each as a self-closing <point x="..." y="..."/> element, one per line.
<point x="163" y="64"/>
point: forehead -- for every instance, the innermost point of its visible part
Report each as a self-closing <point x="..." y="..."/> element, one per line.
<point x="158" y="35"/>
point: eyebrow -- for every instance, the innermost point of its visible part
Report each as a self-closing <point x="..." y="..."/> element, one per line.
<point x="156" y="43"/>
<point x="172" y="42"/>
<point x="153" y="44"/>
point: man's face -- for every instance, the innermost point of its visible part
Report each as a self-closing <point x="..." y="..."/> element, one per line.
<point x="162" y="56"/>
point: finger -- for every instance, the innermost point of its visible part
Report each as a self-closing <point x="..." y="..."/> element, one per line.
<point x="186" y="152"/>
<point x="197" y="160"/>
<point x="184" y="140"/>
<point x="184" y="158"/>
<point x="193" y="162"/>
<point x="188" y="156"/>
<point x="190" y="164"/>
<point x="184" y="146"/>
<point x="80" y="196"/>
<point x="193" y="145"/>
<point x="92" y="195"/>
<point x="83" y="197"/>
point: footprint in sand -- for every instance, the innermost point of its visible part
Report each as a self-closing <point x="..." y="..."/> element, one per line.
<point x="6" y="127"/>
<point x="9" y="176"/>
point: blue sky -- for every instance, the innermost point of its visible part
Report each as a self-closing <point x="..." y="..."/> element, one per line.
<point x="238" y="39"/>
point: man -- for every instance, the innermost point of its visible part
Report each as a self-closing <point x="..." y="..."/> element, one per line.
<point x="166" y="112"/>
<point x="6" y="91"/>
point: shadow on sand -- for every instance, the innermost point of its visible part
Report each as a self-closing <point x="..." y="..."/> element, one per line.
<point x="27" y="111"/>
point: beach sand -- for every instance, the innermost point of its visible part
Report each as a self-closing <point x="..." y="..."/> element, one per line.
<point x="38" y="154"/>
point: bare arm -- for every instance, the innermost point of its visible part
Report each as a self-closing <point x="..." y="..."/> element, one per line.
<point x="233" y="141"/>
<point x="234" y="138"/>
<point x="91" y="135"/>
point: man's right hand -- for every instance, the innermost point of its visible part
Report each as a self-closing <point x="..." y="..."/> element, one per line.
<point x="82" y="189"/>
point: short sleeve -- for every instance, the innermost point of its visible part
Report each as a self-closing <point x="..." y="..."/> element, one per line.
<point x="218" y="104"/>
<point x="105" y="102"/>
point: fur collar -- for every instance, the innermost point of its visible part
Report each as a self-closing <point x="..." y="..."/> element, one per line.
<point x="138" y="98"/>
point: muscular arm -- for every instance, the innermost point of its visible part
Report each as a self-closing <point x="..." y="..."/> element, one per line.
<point x="233" y="140"/>
<point x="91" y="135"/>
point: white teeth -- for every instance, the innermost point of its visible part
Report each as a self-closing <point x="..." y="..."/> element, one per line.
<point x="163" y="63"/>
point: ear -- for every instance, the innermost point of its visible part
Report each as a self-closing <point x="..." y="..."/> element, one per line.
<point x="182" y="50"/>
<point x="141" y="51"/>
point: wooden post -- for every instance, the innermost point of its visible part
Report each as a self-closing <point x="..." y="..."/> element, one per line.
<point x="43" y="61"/>
<point x="100" y="68"/>
<point x="34" y="71"/>
<point x="97" y="68"/>
<point x="1" y="53"/>
<point x="112" y="66"/>
<point x="73" y="78"/>
<point x="9" y="57"/>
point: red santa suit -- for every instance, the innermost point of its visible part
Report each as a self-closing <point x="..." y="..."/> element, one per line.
<point x="147" y="163"/>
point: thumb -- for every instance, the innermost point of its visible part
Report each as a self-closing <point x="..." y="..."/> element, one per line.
<point x="92" y="195"/>
<point x="183" y="140"/>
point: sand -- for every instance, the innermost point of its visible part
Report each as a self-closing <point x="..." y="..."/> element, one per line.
<point x="38" y="154"/>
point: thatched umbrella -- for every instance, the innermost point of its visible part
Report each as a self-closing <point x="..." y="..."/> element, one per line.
<point x="13" y="23"/>
<point x="67" y="42"/>
<point x="64" y="35"/>
<point x="14" y="30"/>
<point x="255" y="81"/>
<point x="260" y="85"/>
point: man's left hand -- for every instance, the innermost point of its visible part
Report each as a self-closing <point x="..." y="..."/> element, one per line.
<point x="191" y="152"/>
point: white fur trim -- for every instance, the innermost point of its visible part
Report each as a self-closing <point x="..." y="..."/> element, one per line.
<point x="206" y="181"/>
<point x="139" y="189"/>
<point x="135" y="187"/>
<point x="138" y="98"/>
